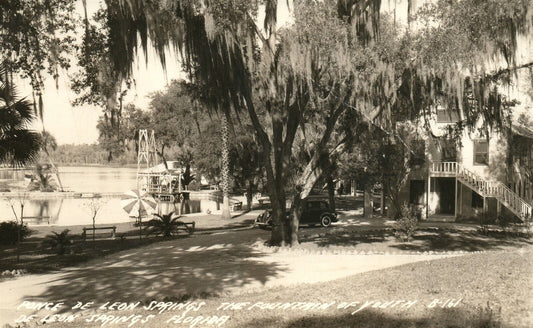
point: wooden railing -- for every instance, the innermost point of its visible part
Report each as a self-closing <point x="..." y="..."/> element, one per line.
<point x="511" y="200"/>
<point x="495" y="189"/>
<point x="444" y="167"/>
<point x="485" y="188"/>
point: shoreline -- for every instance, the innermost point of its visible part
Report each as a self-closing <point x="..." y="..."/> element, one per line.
<point x="128" y="166"/>
<point x="58" y="194"/>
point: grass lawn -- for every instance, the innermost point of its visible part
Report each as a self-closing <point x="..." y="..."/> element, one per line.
<point x="36" y="259"/>
<point x="425" y="239"/>
<point x="493" y="288"/>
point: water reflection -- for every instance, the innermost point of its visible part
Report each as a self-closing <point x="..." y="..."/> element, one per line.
<point x="73" y="211"/>
<point x="185" y="207"/>
<point x="86" y="179"/>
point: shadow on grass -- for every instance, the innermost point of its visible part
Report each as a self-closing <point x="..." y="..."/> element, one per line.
<point x="160" y="271"/>
<point x="344" y="238"/>
<point x="424" y="240"/>
<point x="462" y="241"/>
<point x="371" y="318"/>
<point x="230" y="225"/>
<point x="348" y="203"/>
<point x="241" y="214"/>
<point x="36" y="259"/>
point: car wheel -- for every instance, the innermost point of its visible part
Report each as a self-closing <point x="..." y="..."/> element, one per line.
<point x="325" y="221"/>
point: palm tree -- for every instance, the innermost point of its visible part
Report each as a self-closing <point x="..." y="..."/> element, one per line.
<point x="224" y="48"/>
<point x="18" y="144"/>
<point x="59" y="241"/>
<point x="225" y="169"/>
<point x="165" y="225"/>
<point x="49" y="142"/>
<point x="43" y="181"/>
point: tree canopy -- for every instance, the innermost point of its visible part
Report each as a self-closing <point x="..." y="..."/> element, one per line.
<point x="336" y="56"/>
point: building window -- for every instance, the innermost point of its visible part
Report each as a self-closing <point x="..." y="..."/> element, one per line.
<point x="448" y="150"/>
<point x="417" y="189"/>
<point x="445" y="115"/>
<point x="481" y="152"/>
<point x="418" y="153"/>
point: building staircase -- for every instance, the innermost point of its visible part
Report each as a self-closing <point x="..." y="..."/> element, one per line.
<point x="494" y="189"/>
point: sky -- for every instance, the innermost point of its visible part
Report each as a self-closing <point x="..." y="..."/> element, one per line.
<point x="77" y="125"/>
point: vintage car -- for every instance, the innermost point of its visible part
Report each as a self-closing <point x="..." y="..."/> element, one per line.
<point x="314" y="212"/>
<point x="264" y="220"/>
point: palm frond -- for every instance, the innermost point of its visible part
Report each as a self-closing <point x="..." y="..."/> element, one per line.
<point x="166" y="225"/>
<point x="19" y="147"/>
<point x="59" y="241"/>
<point x="18" y="144"/>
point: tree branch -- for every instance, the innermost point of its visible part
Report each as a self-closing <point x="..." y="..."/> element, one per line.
<point x="499" y="73"/>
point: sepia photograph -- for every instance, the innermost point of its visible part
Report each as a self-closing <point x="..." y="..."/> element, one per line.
<point x="266" y="163"/>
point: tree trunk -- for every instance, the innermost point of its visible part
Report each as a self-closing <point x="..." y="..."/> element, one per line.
<point x="19" y="231"/>
<point x="56" y="170"/>
<point x="280" y="236"/>
<point x="296" y="212"/>
<point x="162" y="155"/>
<point x="249" y="195"/>
<point x="307" y="181"/>
<point x="382" y="200"/>
<point x="94" y="231"/>
<point x="383" y="197"/>
<point x="331" y="192"/>
<point x="225" y="168"/>
<point x="368" y="207"/>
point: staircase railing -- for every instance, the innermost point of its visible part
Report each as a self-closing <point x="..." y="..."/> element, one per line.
<point x="485" y="188"/>
<point x="511" y="199"/>
<point x="495" y="189"/>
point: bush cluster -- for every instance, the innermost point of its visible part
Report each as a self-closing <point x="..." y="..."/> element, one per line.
<point x="406" y="226"/>
<point x="9" y="233"/>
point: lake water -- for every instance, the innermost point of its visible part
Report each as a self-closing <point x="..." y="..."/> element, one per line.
<point x="55" y="210"/>
<point x="98" y="179"/>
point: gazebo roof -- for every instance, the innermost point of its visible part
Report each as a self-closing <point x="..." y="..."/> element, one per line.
<point x="173" y="168"/>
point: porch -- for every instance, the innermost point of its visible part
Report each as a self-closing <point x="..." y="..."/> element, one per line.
<point x="469" y="194"/>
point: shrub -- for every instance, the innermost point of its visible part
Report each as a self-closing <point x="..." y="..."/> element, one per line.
<point x="43" y="180"/>
<point x="406" y="226"/>
<point x="527" y="225"/>
<point x="166" y="225"/>
<point x="484" y="221"/>
<point x="193" y="186"/>
<point x="58" y="241"/>
<point x="9" y="233"/>
<point x="490" y="317"/>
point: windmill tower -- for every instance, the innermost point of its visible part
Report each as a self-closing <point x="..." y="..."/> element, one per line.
<point x="146" y="156"/>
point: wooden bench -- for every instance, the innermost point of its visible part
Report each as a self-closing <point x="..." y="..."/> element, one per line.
<point x="187" y="226"/>
<point x="236" y="206"/>
<point x="263" y="200"/>
<point x="37" y="218"/>
<point x="84" y="233"/>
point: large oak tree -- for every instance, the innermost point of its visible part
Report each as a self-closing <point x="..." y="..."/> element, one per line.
<point x="331" y="60"/>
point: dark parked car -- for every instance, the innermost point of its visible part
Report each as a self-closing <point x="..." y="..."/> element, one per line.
<point x="264" y="220"/>
<point x="317" y="212"/>
<point x="314" y="212"/>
